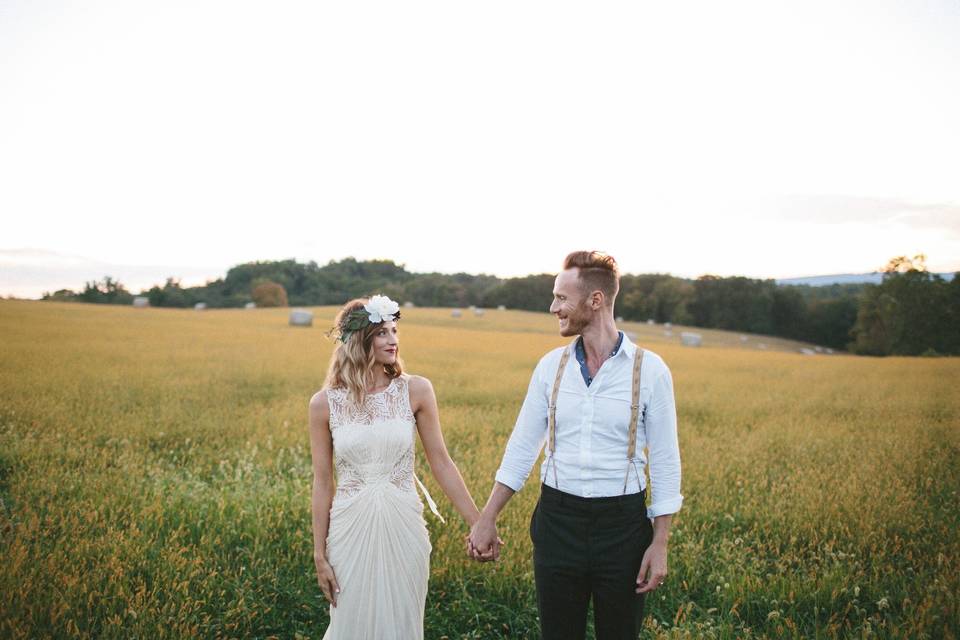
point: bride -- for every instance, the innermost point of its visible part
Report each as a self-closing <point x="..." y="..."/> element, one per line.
<point x="371" y="547"/>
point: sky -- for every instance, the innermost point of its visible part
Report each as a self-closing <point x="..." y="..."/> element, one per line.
<point x="768" y="139"/>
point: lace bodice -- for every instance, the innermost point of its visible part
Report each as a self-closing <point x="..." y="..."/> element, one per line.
<point x="373" y="442"/>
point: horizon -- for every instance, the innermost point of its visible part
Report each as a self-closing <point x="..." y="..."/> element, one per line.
<point x="137" y="285"/>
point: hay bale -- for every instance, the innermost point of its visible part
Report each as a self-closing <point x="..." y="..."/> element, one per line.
<point x="808" y="352"/>
<point x="478" y="312"/>
<point x="456" y="313"/>
<point x="408" y="305"/>
<point x="829" y="351"/>
<point x="301" y="318"/>
<point x="141" y="302"/>
<point x="651" y="321"/>
<point x="250" y="305"/>
<point x="200" y="306"/>
<point x="501" y="307"/>
<point x="668" y="325"/>
<point x="619" y="318"/>
<point x="744" y="338"/>
<point x="691" y="339"/>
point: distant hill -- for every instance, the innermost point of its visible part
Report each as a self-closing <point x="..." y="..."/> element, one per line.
<point x="845" y="278"/>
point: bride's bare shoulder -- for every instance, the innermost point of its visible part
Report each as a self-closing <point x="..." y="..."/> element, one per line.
<point x="420" y="387"/>
<point x="319" y="405"/>
<point x="419" y="383"/>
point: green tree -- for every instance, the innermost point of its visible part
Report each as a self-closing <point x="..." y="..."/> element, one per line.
<point x="170" y="295"/>
<point x="530" y="293"/>
<point x="106" y="291"/>
<point x="735" y="304"/>
<point x="911" y="312"/>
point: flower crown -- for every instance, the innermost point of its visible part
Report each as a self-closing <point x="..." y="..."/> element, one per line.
<point x="378" y="309"/>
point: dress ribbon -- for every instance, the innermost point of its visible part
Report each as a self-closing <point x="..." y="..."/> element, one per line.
<point x="430" y="502"/>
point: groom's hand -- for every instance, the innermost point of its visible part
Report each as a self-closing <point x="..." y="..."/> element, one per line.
<point x="483" y="544"/>
<point x="653" y="567"/>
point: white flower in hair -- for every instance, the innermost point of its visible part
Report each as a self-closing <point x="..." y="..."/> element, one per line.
<point x="382" y="309"/>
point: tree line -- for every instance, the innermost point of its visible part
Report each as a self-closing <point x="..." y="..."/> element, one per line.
<point x="912" y="312"/>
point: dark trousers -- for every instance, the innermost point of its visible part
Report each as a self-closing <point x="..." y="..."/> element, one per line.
<point x="583" y="548"/>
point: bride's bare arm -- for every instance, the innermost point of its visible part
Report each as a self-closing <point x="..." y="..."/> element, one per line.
<point x="321" y="449"/>
<point x="423" y="402"/>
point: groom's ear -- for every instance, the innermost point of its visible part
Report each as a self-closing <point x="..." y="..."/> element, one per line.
<point x="597" y="300"/>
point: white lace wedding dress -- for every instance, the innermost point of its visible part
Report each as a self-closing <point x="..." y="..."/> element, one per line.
<point x="377" y="544"/>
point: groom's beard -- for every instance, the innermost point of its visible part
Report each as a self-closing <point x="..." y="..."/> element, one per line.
<point x="577" y="321"/>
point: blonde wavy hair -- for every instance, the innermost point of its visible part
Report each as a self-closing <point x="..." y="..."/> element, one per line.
<point x="352" y="363"/>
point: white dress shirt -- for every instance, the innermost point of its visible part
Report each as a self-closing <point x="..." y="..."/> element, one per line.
<point x="592" y="430"/>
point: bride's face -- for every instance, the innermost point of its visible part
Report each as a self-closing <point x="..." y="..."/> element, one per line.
<point x="386" y="343"/>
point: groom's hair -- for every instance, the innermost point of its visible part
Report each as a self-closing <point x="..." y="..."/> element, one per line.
<point x="595" y="270"/>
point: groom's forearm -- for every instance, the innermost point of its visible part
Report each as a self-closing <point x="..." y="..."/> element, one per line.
<point x="498" y="499"/>
<point x="661" y="529"/>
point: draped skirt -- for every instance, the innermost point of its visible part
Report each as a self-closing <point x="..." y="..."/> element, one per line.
<point x="379" y="549"/>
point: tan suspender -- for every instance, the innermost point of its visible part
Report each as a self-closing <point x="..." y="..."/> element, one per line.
<point x="634" y="415"/>
<point x="552" y="415"/>
<point x="634" y="418"/>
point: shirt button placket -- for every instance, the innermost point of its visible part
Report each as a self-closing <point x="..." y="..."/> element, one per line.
<point x="586" y="446"/>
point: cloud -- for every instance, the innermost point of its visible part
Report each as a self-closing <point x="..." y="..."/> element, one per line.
<point x="837" y="209"/>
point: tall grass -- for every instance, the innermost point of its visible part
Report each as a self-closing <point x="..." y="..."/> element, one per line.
<point x="155" y="477"/>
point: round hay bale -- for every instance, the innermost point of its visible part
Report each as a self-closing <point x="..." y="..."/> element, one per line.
<point x="141" y="302"/>
<point x="301" y="318"/>
<point x="250" y="305"/>
<point x="456" y="313"/>
<point x="691" y="339"/>
<point x="200" y="306"/>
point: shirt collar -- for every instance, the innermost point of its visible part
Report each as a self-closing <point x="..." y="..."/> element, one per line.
<point x="627" y="347"/>
<point x="623" y="346"/>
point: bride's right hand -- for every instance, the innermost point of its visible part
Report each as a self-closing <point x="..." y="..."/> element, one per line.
<point x="326" y="579"/>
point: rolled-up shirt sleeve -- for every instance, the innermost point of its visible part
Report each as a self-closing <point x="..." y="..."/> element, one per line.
<point x="663" y="448"/>
<point x="529" y="434"/>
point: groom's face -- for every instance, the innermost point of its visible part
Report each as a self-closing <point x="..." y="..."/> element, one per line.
<point x="570" y="304"/>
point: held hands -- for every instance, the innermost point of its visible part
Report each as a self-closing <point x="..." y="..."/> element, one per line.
<point x="326" y="579"/>
<point x="653" y="567"/>
<point x="483" y="543"/>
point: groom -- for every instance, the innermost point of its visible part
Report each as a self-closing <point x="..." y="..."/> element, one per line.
<point x="596" y="404"/>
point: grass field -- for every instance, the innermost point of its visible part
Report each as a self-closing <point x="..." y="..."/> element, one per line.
<point x="155" y="479"/>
